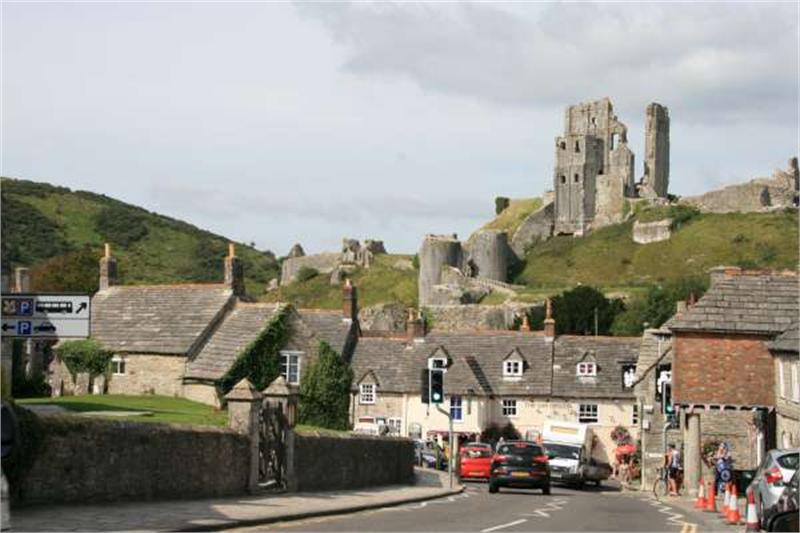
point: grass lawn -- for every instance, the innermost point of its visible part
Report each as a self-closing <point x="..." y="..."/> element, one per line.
<point x="159" y="408"/>
<point x="514" y="215"/>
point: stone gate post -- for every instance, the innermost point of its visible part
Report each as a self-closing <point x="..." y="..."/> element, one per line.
<point x="244" y="411"/>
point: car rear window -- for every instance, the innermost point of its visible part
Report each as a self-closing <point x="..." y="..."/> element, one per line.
<point x="474" y="453"/>
<point x="520" y="448"/>
<point x="790" y="460"/>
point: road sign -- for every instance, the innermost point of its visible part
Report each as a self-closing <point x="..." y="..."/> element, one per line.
<point x="45" y="315"/>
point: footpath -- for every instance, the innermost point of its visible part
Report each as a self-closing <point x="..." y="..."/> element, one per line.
<point x="227" y="513"/>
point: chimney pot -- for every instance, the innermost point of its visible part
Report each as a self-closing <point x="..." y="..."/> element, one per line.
<point x="415" y="326"/>
<point x="107" y="250"/>
<point x="234" y="272"/>
<point x="349" y="301"/>
<point x="231" y="249"/>
<point x="680" y="306"/>
<point x="526" y="326"/>
<point x="549" y="323"/>
<point x="22" y="279"/>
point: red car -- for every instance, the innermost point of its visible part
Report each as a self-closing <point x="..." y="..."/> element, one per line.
<point x="475" y="462"/>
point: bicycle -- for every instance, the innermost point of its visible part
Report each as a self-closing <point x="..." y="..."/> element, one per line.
<point x="661" y="483"/>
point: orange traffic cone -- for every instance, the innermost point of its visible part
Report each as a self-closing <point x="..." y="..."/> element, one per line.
<point x="733" y="515"/>
<point x="711" y="499"/>
<point x="700" y="503"/>
<point x="752" y="524"/>
<point x="726" y="502"/>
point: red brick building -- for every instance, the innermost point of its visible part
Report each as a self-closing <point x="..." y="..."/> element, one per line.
<point x="723" y="372"/>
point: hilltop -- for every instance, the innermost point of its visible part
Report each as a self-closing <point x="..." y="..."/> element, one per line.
<point x="59" y="234"/>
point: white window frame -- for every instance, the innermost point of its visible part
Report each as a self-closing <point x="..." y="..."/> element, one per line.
<point x="457" y="404"/>
<point x="286" y="365"/>
<point x="119" y="366"/>
<point x="586" y="368"/>
<point x="585" y="415"/>
<point x="512" y="368"/>
<point x="367" y="393"/>
<point x="395" y="425"/>
<point x="795" y="384"/>
<point x="509" y="407"/>
<point x="781" y="379"/>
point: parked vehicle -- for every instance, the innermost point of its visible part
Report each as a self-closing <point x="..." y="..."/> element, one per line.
<point x="520" y="464"/>
<point x="475" y="462"/>
<point x="772" y="476"/>
<point x="428" y="454"/>
<point x="569" y="446"/>
<point x="785" y="514"/>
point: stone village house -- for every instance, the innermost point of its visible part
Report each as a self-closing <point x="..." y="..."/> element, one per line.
<point x="179" y="339"/>
<point x="724" y="357"/>
<point x="521" y="377"/>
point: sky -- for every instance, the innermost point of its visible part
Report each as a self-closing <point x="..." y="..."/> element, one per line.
<point x="279" y="123"/>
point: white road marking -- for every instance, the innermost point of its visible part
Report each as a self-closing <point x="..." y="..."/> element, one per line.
<point x="503" y="526"/>
<point x="538" y="512"/>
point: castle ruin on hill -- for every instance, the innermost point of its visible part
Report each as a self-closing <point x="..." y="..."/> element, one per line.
<point x="594" y="168"/>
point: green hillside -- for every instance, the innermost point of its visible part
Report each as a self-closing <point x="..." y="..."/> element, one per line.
<point x="609" y="258"/>
<point x="383" y="282"/>
<point x="59" y="233"/>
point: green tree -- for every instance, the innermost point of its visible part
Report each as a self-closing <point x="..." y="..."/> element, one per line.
<point x="656" y="306"/>
<point x="575" y="310"/>
<point x="325" y="390"/>
<point x="121" y="224"/>
<point x="500" y="204"/>
<point x="85" y="355"/>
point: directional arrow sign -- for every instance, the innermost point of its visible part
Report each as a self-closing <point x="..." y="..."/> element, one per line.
<point x="46" y="315"/>
<point x="44" y="328"/>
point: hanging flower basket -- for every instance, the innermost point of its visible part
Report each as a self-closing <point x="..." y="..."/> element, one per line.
<point x="620" y="435"/>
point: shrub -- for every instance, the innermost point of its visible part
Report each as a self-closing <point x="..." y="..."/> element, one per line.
<point x="85" y="355"/>
<point x="574" y="311"/>
<point x="121" y="225"/>
<point x="500" y="204"/>
<point x="306" y="273"/>
<point x="656" y="306"/>
<point x="325" y="391"/>
<point x="415" y="261"/>
<point x="70" y="272"/>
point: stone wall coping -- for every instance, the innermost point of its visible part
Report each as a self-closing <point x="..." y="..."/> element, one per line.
<point x="73" y="421"/>
<point x="349" y="436"/>
<point x="243" y="391"/>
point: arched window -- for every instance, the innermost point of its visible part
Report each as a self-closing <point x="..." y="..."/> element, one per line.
<point x="577" y="146"/>
<point x="577" y="178"/>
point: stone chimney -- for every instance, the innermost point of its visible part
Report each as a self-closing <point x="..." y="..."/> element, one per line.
<point x="549" y="323"/>
<point x="680" y="307"/>
<point x="415" y="327"/>
<point x="349" y="302"/>
<point x="108" y="269"/>
<point x="525" y="326"/>
<point x="22" y="279"/>
<point x="234" y="271"/>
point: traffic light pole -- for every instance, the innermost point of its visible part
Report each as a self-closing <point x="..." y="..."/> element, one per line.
<point x="450" y="444"/>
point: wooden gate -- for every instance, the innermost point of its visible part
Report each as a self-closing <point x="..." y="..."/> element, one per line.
<point x="272" y="429"/>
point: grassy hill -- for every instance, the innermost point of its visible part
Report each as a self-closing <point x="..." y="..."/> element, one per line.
<point x="609" y="258"/>
<point x="512" y="216"/>
<point x="59" y="233"/>
<point x="383" y="282"/>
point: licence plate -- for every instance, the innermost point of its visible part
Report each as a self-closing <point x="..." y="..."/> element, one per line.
<point x="476" y="473"/>
<point x="519" y="474"/>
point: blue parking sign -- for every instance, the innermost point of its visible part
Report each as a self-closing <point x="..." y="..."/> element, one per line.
<point x="25" y="307"/>
<point x="24" y="327"/>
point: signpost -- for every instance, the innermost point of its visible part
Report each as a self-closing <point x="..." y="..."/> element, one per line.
<point x="45" y="316"/>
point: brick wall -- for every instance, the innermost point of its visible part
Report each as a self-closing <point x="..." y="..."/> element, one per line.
<point x="327" y="462"/>
<point x="717" y="369"/>
<point x="85" y="460"/>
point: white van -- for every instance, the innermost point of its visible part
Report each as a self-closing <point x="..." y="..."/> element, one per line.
<point x="569" y="446"/>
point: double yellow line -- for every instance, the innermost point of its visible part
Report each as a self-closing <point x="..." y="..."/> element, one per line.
<point x="689" y="528"/>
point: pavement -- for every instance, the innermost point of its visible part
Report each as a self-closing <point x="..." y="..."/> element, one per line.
<point x="228" y="513"/>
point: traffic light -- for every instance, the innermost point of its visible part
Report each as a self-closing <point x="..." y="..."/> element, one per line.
<point x="666" y="400"/>
<point x="437" y="386"/>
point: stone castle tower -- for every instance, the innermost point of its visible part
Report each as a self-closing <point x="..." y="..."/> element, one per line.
<point x="594" y="167"/>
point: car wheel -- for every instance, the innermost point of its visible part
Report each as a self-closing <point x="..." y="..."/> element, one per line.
<point x="546" y="490"/>
<point x="493" y="488"/>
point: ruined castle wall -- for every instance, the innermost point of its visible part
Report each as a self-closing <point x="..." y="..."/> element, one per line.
<point x="436" y="252"/>
<point x="475" y="316"/>
<point x="538" y="226"/>
<point x="647" y="232"/>
<point x="578" y="161"/>
<point x="324" y="263"/>
<point x="489" y="255"/>
<point x="656" y="152"/>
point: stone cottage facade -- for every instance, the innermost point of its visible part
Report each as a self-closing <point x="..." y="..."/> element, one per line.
<point x="495" y="377"/>
<point x="785" y="350"/>
<point x="179" y="340"/>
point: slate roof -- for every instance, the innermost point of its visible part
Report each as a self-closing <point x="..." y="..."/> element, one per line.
<point x="761" y="304"/>
<point x="788" y="341"/>
<point x="240" y="327"/>
<point x="327" y="325"/>
<point x="476" y="362"/>
<point x="609" y="353"/>
<point x="158" y="319"/>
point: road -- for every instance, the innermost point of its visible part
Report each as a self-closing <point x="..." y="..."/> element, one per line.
<point x="591" y="509"/>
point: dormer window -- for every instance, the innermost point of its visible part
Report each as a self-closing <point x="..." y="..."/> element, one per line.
<point x="587" y="369"/>
<point x="512" y="368"/>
